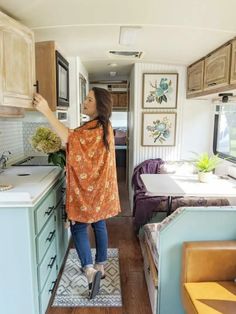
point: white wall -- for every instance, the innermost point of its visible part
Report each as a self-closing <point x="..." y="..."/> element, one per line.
<point x="194" y="120"/>
<point x="197" y="128"/>
<point x="76" y="67"/>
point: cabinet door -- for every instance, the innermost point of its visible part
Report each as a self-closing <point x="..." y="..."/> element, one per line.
<point x="217" y="68"/>
<point x="17" y="64"/>
<point x="45" y="62"/>
<point x="115" y="99"/>
<point x="195" y="78"/>
<point x="233" y="64"/>
<point x="123" y="100"/>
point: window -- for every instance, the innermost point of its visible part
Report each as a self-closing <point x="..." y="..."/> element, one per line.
<point x="225" y="131"/>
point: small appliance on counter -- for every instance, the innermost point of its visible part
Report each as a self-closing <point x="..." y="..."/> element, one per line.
<point x="33" y="161"/>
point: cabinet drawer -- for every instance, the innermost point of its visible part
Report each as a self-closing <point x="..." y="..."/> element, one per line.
<point x="45" y="238"/>
<point x="47" y="291"/>
<point x="44" y="211"/>
<point x="47" y="264"/>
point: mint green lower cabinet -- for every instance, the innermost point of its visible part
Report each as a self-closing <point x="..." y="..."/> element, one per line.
<point x="47" y="290"/>
<point x="62" y="233"/>
<point x="33" y="243"/>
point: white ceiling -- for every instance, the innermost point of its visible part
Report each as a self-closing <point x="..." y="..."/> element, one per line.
<point x="173" y="31"/>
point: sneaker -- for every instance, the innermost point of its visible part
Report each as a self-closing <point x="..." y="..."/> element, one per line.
<point x="100" y="267"/>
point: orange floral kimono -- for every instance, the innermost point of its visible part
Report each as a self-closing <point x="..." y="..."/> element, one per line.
<point x="92" y="192"/>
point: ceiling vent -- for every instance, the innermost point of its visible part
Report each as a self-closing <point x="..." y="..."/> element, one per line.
<point x="127" y="54"/>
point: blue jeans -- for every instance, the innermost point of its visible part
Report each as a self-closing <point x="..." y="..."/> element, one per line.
<point x="81" y="240"/>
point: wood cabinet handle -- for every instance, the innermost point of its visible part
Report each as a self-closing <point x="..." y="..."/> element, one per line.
<point x="49" y="210"/>
<point x="211" y="84"/>
<point x="52" y="261"/>
<point x="50" y="236"/>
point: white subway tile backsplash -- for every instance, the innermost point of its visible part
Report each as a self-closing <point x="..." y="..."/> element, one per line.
<point x="11" y="138"/>
<point x="15" y="136"/>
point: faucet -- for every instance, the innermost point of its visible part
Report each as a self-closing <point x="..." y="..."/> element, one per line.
<point x="3" y="159"/>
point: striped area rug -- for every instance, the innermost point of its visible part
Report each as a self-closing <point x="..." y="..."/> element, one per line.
<point x="72" y="290"/>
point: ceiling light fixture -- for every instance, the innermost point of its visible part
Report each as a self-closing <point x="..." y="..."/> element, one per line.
<point x="128" y="35"/>
<point x="112" y="73"/>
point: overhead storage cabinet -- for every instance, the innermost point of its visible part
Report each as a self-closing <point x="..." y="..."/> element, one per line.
<point x="233" y="63"/>
<point x="214" y="73"/>
<point x="120" y="101"/>
<point x="195" y="78"/>
<point x="45" y="58"/>
<point x="217" y="68"/>
<point x="17" y="64"/>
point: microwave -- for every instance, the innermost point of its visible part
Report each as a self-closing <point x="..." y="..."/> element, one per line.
<point x="62" y="80"/>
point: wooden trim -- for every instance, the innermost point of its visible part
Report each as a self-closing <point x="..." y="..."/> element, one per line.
<point x="11" y="112"/>
<point x="212" y="91"/>
<point x="153" y="270"/>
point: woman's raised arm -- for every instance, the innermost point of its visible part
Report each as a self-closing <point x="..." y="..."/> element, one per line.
<point x="41" y="105"/>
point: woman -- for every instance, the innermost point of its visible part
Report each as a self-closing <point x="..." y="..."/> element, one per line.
<point x="92" y="192"/>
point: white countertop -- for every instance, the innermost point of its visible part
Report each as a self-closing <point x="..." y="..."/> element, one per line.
<point x="27" y="189"/>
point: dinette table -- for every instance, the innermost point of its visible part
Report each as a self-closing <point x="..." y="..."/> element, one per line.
<point x="174" y="185"/>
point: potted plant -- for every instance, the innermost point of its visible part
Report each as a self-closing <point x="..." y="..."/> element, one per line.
<point x="205" y="164"/>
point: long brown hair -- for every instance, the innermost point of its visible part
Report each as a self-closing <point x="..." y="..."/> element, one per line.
<point x="104" y="110"/>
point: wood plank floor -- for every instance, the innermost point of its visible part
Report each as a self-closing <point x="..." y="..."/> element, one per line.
<point x="133" y="286"/>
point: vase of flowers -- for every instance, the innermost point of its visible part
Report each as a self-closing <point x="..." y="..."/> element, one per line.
<point x="205" y="165"/>
<point x="46" y="141"/>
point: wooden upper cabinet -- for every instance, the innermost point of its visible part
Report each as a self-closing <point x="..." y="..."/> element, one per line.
<point x="17" y="64"/>
<point x="45" y="60"/>
<point x="120" y="101"/>
<point x="233" y="63"/>
<point x="195" y="74"/>
<point x="217" y="68"/>
<point x="115" y="99"/>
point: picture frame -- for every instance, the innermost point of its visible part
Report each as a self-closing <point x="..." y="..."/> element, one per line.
<point x="159" y="128"/>
<point x="160" y="90"/>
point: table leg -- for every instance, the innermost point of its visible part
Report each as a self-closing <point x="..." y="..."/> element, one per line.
<point x="169" y="205"/>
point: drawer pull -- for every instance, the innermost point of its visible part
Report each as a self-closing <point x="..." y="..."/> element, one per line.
<point x="50" y="236"/>
<point x="192" y="89"/>
<point x="53" y="286"/>
<point x="211" y="84"/>
<point x="52" y="261"/>
<point x="49" y="210"/>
